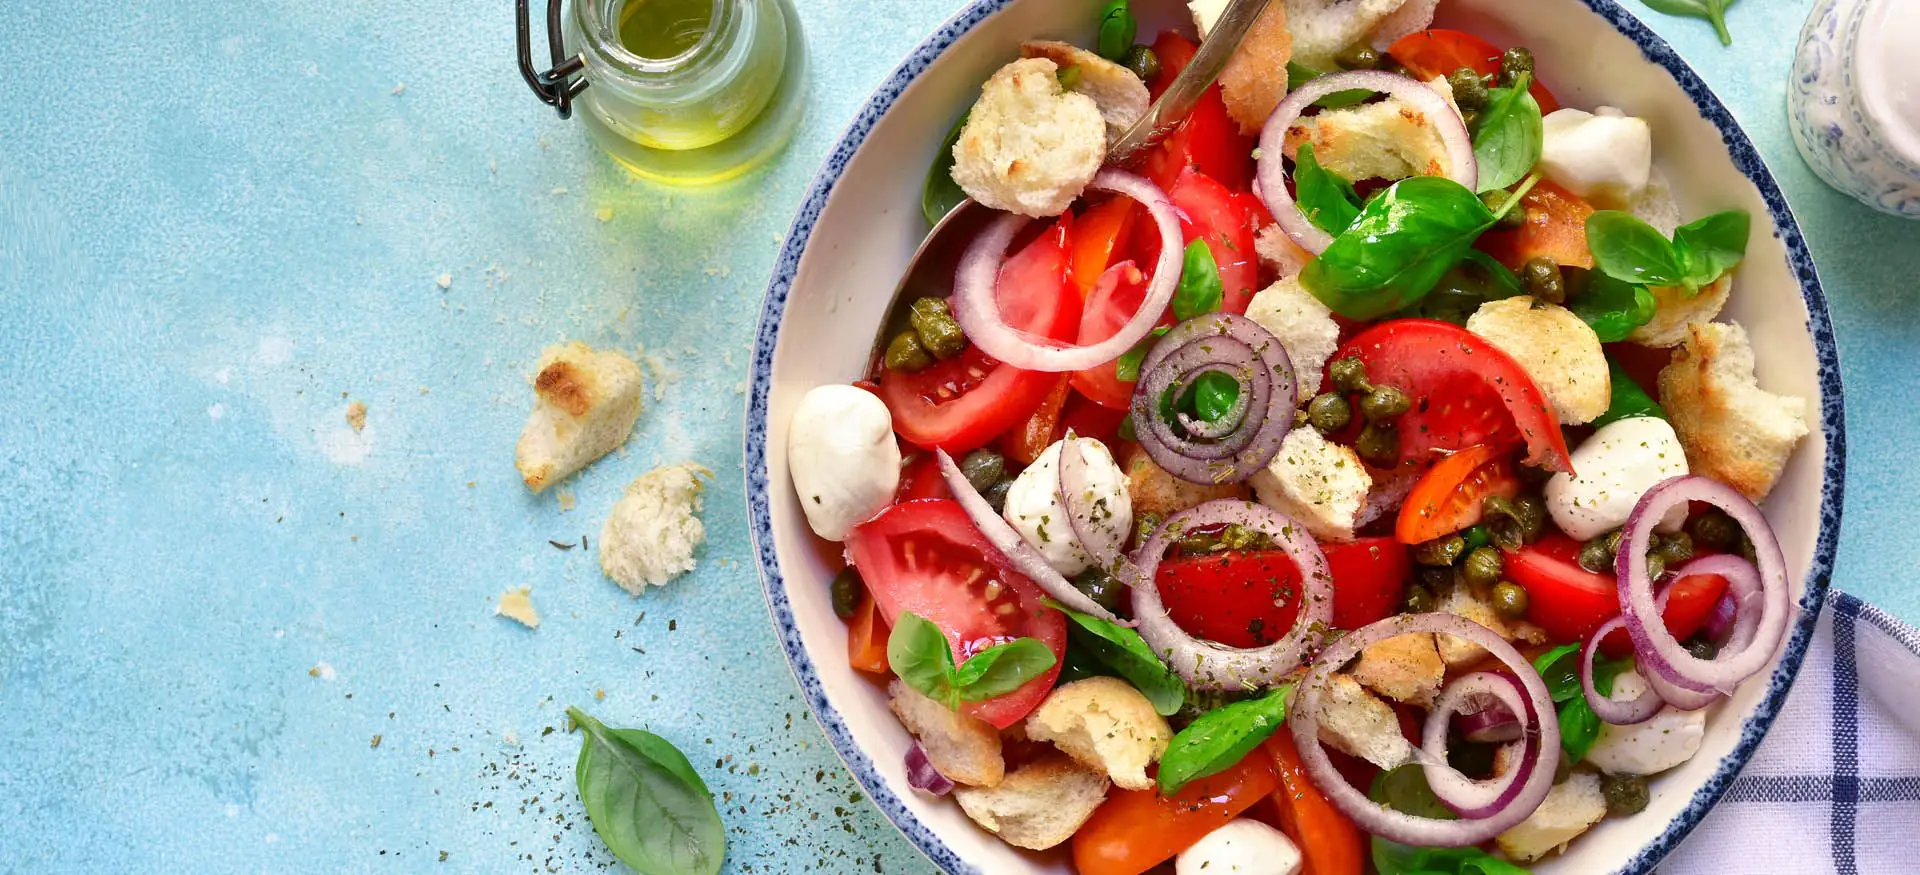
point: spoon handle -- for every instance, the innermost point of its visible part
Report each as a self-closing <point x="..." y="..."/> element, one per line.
<point x="1172" y="108"/>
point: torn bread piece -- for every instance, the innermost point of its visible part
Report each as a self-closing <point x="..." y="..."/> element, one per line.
<point x="965" y="749"/>
<point x="1116" y="90"/>
<point x="650" y="537"/>
<point x="1404" y="668"/>
<point x="1038" y="806"/>
<point x="1323" y="29"/>
<point x="1733" y="430"/>
<point x="1255" y="79"/>
<point x="1556" y="348"/>
<point x="517" y="605"/>
<point x="1105" y="724"/>
<point x="1356" y="722"/>
<point x="1029" y="146"/>
<point x="585" y="405"/>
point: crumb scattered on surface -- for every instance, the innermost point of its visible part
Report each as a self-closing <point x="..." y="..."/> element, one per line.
<point x="357" y="415"/>
<point x="517" y="605"/>
<point x="567" y="501"/>
<point x="322" y="671"/>
<point x="559" y="191"/>
<point x="600" y="695"/>
<point x="399" y="89"/>
<point x="604" y="214"/>
<point x="444" y="280"/>
<point x="511" y="738"/>
<point x="376" y="741"/>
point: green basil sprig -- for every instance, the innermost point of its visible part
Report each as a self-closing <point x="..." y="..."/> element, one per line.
<point x="646" y="801"/>
<point x="1613" y="308"/>
<point x="1560" y="668"/>
<point x="1117" y="30"/>
<point x="1632" y="251"/>
<point x="1200" y="291"/>
<point x="1405" y="790"/>
<point x="1218" y="739"/>
<point x="1128" y="655"/>
<point x="1328" y="201"/>
<point x="917" y="651"/>
<point x="1629" y="400"/>
<point x="1714" y="11"/>
<point x="942" y="194"/>
<point x="1510" y="137"/>
<point x="1404" y="240"/>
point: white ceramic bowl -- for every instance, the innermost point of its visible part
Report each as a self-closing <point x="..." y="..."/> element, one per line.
<point x="852" y="241"/>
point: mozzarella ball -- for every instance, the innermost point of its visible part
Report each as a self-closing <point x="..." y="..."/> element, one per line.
<point x="1617" y="465"/>
<point x="1240" y="847"/>
<point x="1605" y="157"/>
<point x="1035" y="510"/>
<point x="844" y="461"/>
<point x="1670" y="738"/>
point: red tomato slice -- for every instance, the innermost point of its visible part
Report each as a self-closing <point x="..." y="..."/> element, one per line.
<point x="1211" y="213"/>
<point x="1464" y="391"/>
<point x="1688" y="607"/>
<point x="1208" y="141"/>
<point x="1568" y="601"/>
<point x="1175" y="53"/>
<point x="1115" y="299"/>
<point x="1029" y="439"/>
<point x="1136" y="830"/>
<point x="927" y="558"/>
<point x="920" y="478"/>
<point x="1438" y="52"/>
<point x="964" y="402"/>
<point x="867" y="638"/>
<point x="1448" y="497"/>
<point x="1250" y="599"/>
<point x="1556" y="228"/>
<point x="1330" y="841"/>
<point x="1087" y="419"/>
<point x="1098" y="235"/>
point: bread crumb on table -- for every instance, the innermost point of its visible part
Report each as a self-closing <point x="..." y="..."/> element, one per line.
<point x="517" y="605"/>
<point x="651" y="535"/>
<point x="357" y="416"/>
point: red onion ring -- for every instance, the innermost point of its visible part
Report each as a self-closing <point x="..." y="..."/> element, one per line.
<point x="1398" y="826"/>
<point x="1639" y="709"/>
<point x="1241" y="443"/>
<point x="1493" y="724"/>
<point x="1720" y="622"/>
<point x="1470" y="798"/>
<point x="976" y="304"/>
<point x="1212" y="666"/>
<point x="922" y="776"/>
<point x="1103" y="543"/>
<point x="1658" y="651"/>
<point x="1017" y="551"/>
<point x="1462" y="168"/>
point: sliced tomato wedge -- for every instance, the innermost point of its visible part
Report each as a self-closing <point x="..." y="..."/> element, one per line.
<point x="1330" y="841"/>
<point x="1438" y="52"/>
<point x="1555" y="228"/>
<point x="1448" y="497"/>
<point x="1567" y="601"/>
<point x="867" y="638"/>
<point x="1087" y="419"/>
<point x="1211" y="213"/>
<point x="1208" y="141"/>
<point x="1175" y="53"/>
<point x="920" y="478"/>
<point x="964" y="402"/>
<point x="1136" y="830"/>
<point x="1099" y="236"/>
<point x="1464" y="392"/>
<point x="1029" y="439"/>
<point x="1115" y="299"/>
<point x="926" y="557"/>
<point x="1250" y="599"/>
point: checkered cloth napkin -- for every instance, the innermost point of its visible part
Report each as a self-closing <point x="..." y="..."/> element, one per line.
<point x="1836" y="785"/>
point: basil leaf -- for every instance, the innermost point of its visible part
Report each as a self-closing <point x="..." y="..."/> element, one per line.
<point x="1579" y="727"/>
<point x="1510" y="138"/>
<point x="1629" y="400"/>
<point x="1200" y="290"/>
<point x="1127" y="366"/>
<point x="1124" y="651"/>
<point x="1403" y="241"/>
<point x="651" y="816"/>
<point x="1002" y="668"/>
<point x="1714" y="11"/>
<point x="1328" y="201"/>
<point x="1711" y="246"/>
<point x="1117" y="30"/>
<point x="1560" y="668"/>
<point x="1612" y="308"/>
<point x="1213" y="395"/>
<point x="917" y="651"/>
<point x="1405" y="789"/>
<point x="1298" y="75"/>
<point x="942" y="194"/>
<point x="1477" y="279"/>
<point x="1079" y="664"/>
<point x="1218" y="739"/>
<point x="1632" y="251"/>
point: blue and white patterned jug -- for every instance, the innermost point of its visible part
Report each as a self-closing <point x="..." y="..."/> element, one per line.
<point x="1854" y="100"/>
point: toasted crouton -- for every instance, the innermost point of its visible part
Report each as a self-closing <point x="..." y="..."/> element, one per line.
<point x="1461" y="602"/>
<point x="1733" y="430"/>
<point x="585" y="404"/>
<point x="1676" y="312"/>
<point x="1573" y="807"/>
<point x="1404" y="668"/>
<point x="1116" y="90"/>
<point x="1385" y="140"/>
<point x="1304" y="326"/>
<point x="1038" y="806"/>
<point x="1557" y="350"/>
<point x="1154" y="491"/>
<point x="1255" y="78"/>
<point x="1279" y="253"/>
<point x="1105" y="724"/>
<point x="650" y="536"/>
<point x="1030" y="146"/>
<point x="1322" y="28"/>
<point x="1356" y="722"/>
<point x="1321" y="485"/>
<point x="965" y="749"/>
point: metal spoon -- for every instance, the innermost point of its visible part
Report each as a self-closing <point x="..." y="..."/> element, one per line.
<point x="930" y="273"/>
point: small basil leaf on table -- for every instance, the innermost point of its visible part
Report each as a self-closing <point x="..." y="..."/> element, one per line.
<point x="917" y="651"/>
<point x="1632" y="251"/>
<point x="1511" y="134"/>
<point x="1002" y="668"/>
<point x="1128" y="655"/>
<point x="1218" y="739"/>
<point x="645" y="801"/>
<point x="942" y="194"/>
<point x="1713" y="11"/>
<point x="1404" y="240"/>
<point x="1711" y="246"/>
<point x="1328" y="201"/>
<point x="1200" y="291"/>
<point x="1299" y="74"/>
<point x="1613" y="308"/>
<point x="1628" y="399"/>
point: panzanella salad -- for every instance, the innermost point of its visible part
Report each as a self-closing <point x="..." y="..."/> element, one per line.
<point x="1355" y="482"/>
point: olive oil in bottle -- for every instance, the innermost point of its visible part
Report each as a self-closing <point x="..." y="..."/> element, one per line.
<point x="662" y="29"/>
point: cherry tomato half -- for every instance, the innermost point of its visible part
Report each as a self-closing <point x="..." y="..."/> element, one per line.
<point x="1438" y="52"/>
<point x="1250" y="599"/>
<point x="1448" y="497"/>
<point x="1136" y="830"/>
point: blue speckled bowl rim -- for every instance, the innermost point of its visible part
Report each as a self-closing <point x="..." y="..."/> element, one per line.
<point x="1655" y="49"/>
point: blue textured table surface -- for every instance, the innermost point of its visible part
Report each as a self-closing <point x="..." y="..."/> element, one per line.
<point x="236" y="635"/>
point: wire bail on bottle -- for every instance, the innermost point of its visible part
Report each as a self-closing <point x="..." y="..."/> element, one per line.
<point x="557" y="86"/>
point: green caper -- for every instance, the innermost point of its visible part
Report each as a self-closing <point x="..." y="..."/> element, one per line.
<point x="1468" y="91"/>
<point x="1514" y="62"/>
<point x="1509" y="600"/>
<point x="1100" y="586"/>
<point x="1419" y="600"/>
<point x="1379" y="444"/>
<point x="846" y="590"/>
<point x="1350" y="375"/>
<point x="1542" y="279"/>
<point x="1509" y="220"/>
<point x="1613" y="540"/>
<point x="1595" y="557"/>
<point x="1512" y="522"/>
<point x="1656" y="566"/>
<point x="1384" y="403"/>
<point x="1358" y="56"/>
<point x="983" y="468"/>
<point x="1483" y="567"/>
<point x="1626" y="794"/>
<point x="1471" y="117"/>
<point x="1675" y="548"/>
<point x="1239" y="537"/>
<point x="906" y="355"/>
<point x="1143" y="62"/>
<point x="996" y="495"/>
<point x="1329" y="412"/>
<point x="939" y="332"/>
<point x="1532" y="515"/>
<point x="1702" y="648"/>
<point x="1715" y="530"/>
<point x="1440" y="551"/>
